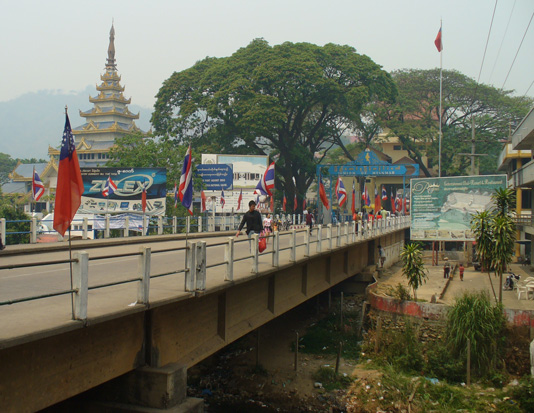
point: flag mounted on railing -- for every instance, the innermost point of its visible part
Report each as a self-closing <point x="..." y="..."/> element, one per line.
<point x="295" y="202"/>
<point x="203" y="199"/>
<point x="69" y="188"/>
<point x="143" y="198"/>
<point x="38" y="188"/>
<point x="365" y="196"/>
<point x="341" y="192"/>
<point x="304" y="204"/>
<point x="175" y="195"/>
<point x="266" y="182"/>
<point x="223" y="201"/>
<point x="240" y="199"/>
<point x="284" y="203"/>
<point x="392" y="202"/>
<point x="322" y="194"/>
<point x="398" y="203"/>
<point x="272" y="204"/>
<point x="378" y="204"/>
<point x="109" y="188"/>
<point x="353" y="206"/>
<point x="185" y="191"/>
<point x="384" y="194"/>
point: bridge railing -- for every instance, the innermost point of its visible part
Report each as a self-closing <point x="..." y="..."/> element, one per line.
<point x="196" y="262"/>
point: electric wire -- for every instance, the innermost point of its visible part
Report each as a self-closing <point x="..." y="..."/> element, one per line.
<point x="529" y="88"/>
<point x="502" y="42"/>
<point x="518" y="49"/>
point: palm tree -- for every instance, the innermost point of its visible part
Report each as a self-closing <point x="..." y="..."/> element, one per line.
<point x="504" y="199"/>
<point x="503" y="228"/>
<point x="481" y="227"/>
<point x="413" y="267"/>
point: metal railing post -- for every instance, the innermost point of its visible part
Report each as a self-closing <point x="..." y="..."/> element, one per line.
<point x="106" y="226"/>
<point x="319" y="238"/>
<point x="174" y="224"/>
<point x="201" y="265"/>
<point x="293" y="244"/>
<point x="338" y="235"/>
<point x="80" y="283"/>
<point x="307" y="242"/>
<point x="190" y="267"/>
<point x="85" y="228"/>
<point x="188" y="223"/>
<point x="329" y="236"/>
<point x="160" y="225"/>
<point x="346" y="232"/>
<point x="255" y="252"/>
<point x="3" y="230"/>
<point x="143" y="269"/>
<point x="276" y="249"/>
<point x="229" y="259"/>
<point x="126" y="227"/>
<point x="33" y="230"/>
<point x="199" y="223"/>
<point x="145" y="225"/>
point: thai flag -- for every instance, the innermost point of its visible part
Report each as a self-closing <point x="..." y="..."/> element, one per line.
<point x="109" y="188"/>
<point x="37" y="186"/>
<point x="222" y="199"/>
<point x="267" y="181"/>
<point x="239" y="200"/>
<point x="341" y="192"/>
<point x="175" y="195"/>
<point x="384" y="193"/>
<point x="185" y="190"/>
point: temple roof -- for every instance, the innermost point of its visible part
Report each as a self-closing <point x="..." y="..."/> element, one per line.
<point x="110" y="96"/>
<point x="109" y="110"/>
<point x="105" y="126"/>
<point x="25" y="170"/>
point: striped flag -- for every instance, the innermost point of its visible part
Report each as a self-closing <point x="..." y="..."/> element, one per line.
<point x="384" y="193"/>
<point x="353" y="206"/>
<point x="341" y="192"/>
<point x="109" y="188"/>
<point x="223" y="201"/>
<point x="185" y="190"/>
<point x="38" y="188"/>
<point x="266" y="182"/>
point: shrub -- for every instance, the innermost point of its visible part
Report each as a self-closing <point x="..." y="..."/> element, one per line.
<point x="441" y="364"/>
<point x="401" y="293"/>
<point x="524" y="394"/>
<point x="403" y="350"/>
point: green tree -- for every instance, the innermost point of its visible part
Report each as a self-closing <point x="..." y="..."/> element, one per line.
<point x="414" y="118"/>
<point x="288" y="101"/>
<point x="474" y="317"/>
<point x="413" y="267"/>
<point x="11" y="208"/>
<point x="481" y="225"/>
<point x="7" y="164"/>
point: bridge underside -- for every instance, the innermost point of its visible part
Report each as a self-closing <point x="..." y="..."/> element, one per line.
<point x="41" y="373"/>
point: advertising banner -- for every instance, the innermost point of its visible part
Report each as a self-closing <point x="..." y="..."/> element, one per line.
<point x="441" y="208"/>
<point x="127" y="197"/>
<point x="216" y="177"/>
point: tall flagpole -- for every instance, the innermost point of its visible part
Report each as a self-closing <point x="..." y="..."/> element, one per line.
<point x="440" y="89"/>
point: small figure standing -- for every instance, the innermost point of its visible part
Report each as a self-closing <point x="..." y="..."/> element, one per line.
<point x="309" y="220"/>
<point x="382" y="255"/>
<point x="446" y="268"/>
<point x="461" y="270"/>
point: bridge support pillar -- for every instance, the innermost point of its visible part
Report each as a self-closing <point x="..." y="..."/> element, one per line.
<point x="149" y="389"/>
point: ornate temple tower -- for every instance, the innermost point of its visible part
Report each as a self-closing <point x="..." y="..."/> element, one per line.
<point x="109" y="119"/>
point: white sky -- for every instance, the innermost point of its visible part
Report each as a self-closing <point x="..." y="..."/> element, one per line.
<point x="62" y="44"/>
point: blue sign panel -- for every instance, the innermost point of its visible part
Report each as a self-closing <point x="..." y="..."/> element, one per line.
<point x="374" y="170"/>
<point x="216" y="177"/>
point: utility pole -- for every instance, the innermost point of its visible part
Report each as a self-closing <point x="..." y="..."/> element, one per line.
<point x="473" y="153"/>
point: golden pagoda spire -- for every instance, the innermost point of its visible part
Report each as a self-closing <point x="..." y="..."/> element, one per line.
<point x="110" y="64"/>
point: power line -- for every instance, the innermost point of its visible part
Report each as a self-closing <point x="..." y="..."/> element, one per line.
<point x="519" y="48"/>
<point x="529" y="87"/>
<point x="502" y="41"/>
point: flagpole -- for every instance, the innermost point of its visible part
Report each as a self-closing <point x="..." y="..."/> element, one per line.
<point x="440" y="92"/>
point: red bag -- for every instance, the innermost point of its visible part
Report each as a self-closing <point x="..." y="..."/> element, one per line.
<point x="262" y="244"/>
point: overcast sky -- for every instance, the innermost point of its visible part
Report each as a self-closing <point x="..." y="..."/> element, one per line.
<point x="62" y="44"/>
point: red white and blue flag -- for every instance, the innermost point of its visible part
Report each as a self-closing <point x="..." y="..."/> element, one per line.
<point x="38" y="188"/>
<point x="353" y="206"/>
<point x="175" y="194"/>
<point x="341" y="192"/>
<point x="109" y="187"/>
<point x="439" y="42"/>
<point x="266" y="182"/>
<point x="365" y="196"/>
<point x="240" y="199"/>
<point x="384" y="193"/>
<point x="378" y="204"/>
<point x="69" y="188"/>
<point x="185" y="190"/>
<point x="222" y="199"/>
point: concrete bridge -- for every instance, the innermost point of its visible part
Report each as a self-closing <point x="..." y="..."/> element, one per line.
<point x="142" y="310"/>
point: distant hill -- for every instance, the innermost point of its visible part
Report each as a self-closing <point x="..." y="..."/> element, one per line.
<point x="31" y="122"/>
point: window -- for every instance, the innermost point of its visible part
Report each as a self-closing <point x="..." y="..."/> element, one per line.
<point x="398" y="148"/>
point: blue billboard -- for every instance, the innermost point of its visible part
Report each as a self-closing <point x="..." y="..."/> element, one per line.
<point x="216" y="177"/>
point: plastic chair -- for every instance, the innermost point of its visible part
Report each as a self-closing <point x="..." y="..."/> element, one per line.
<point x="521" y="290"/>
<point x="530" y="288"/>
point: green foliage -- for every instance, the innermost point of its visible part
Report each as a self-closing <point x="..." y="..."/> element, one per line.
<point x="413" y="267"/>
<point x="325" y="335"/>
<point x="290" y="100"/>
<point x="403" y="350"/>
<point x="504" y="199"/>
<point x="330" y="380"/>
<point x="400" y="292"/>
<point x="17" y="232"/>
<point x="442" y="364"/>
<point x="524" y="394"/>
<point x="482" y="229"/>
<point x="474" y="317"/>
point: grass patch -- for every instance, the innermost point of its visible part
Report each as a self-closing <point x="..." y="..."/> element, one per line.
<point x="330" y="380"/>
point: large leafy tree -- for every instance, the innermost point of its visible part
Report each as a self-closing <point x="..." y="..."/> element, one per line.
<point x="414" y="118"/>
<point x="288" y="101"/>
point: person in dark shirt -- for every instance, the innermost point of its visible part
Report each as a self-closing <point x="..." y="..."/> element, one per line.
<point x="252" y="219"/>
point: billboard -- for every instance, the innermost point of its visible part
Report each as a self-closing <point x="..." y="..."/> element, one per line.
<point x="216" y="177"/>
<point x="127" y="197"/>
<point x="441" y="208"/>
<point x="247" y="169"/>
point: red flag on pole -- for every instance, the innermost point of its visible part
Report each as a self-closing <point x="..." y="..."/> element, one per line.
<point x="284" y="203"/>
<point x="304" y="204"/>
<point x="322" y="194"/>
<point x="239" y="200"/>
<point x="143" y="198"/>
<point x="438" y="42"/>
<point x="203" y="198"/>
<point x="272" y="204"/>
<point x="378" y="203"/>
<point x="69" y="182"/>
<point x="295" y="204"/>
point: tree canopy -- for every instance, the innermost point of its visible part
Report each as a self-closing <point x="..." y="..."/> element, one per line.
<point x="289" y="101"/>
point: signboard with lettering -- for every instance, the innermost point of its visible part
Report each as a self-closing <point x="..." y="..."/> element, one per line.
<point x="441" y="208"/>
<point x="127" y="197"/>
<point x="216" y="177"/>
